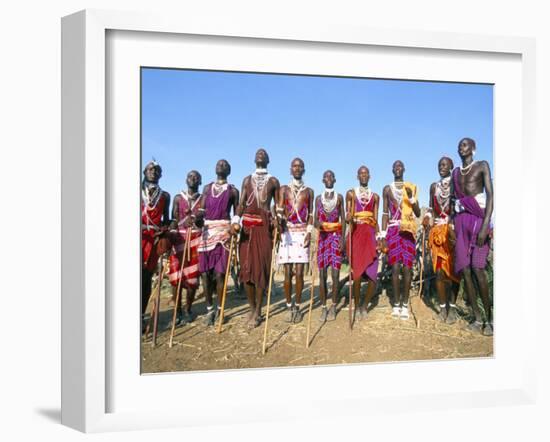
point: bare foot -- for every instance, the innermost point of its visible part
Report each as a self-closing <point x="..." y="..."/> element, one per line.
<point x="442" y="314"/>
<point x="452" y="316"/>
<point x="476" y="326"/>
<point x="254" y="321"/>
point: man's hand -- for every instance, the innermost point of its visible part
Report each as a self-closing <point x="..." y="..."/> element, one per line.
<point x="482" y="236"/>
<point x="409" y="192"/>
<point x="189" y="221"/>
<point x="307" y="239"/>
<point x="235" y="229"/>
<point x="426" y="221"/>
<point x="452" y="234"/>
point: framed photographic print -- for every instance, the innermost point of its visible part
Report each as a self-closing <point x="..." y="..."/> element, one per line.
<point x="151" y="107"/>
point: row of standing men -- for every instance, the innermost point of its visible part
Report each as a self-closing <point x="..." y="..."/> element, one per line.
<point x="459" y="214"/>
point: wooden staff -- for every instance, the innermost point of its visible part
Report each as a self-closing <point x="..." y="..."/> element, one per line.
<point x="156" y="305"/>
<point x="270" y="284"/>
<point x="417" y="322"/>
<point x="188" y="245"/>
<point x="180" y="277"/>
<point x="224" y="292"/>
<point x="350" y="282"/>
<point x="313" y="275"/>
<point x="422" y="263"/>
<point x="152" y="299"/>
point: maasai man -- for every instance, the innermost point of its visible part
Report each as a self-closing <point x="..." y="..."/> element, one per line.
<point x="473" y="193"/>
<point x="362" y="211"/>
<point x="398" y="234"/>
<point x="214" y="215"/>
<point x="441" y="242"/>
<point x="295" y="214"/>
<point x="155" y="209"/>
<point x="258" y="191"/>
<point x="184" y="216"/>
<point x="329" y="216"/>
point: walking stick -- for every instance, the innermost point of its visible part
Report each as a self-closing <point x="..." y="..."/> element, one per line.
<point x="157" y="304"/>
<point x="421" y="274"/>
<point x="152" y="299"/>
<point x="422" y="263"/>
<point x="188" y="245"/>
<point x="350" y="261"/>
<point x="224" y="292"/>
<point x="183" y="259"/>
<point x="313" y="275"/>
<point x="269" y="288"/>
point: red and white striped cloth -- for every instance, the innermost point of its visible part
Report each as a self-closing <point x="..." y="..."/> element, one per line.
<point x="215" y="232"/>
<point x="191" y="267"/>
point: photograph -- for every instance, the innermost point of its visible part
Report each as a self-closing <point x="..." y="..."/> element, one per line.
<point x="304" y="220"/>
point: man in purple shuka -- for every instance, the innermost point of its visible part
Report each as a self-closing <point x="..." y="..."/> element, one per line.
<point x="473" y="194"/>
<point x="216" y="202"/>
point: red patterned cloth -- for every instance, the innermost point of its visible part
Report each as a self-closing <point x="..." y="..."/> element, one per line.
<point x="151" y="218"/>
<point x="190" y="275"/>
<point x="328" y="251"/>
<point x="364" y="256"/>
<point x="401" y="244"/>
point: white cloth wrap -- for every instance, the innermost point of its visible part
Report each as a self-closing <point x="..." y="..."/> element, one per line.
<point x="291" y="247"/>
<point x="481" y="199"/>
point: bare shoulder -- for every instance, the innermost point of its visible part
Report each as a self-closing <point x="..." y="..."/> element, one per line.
<point x="483" y="165"/>
<point x="165" y="194"/>
<point x="432" y="187"/>
<point x="273" y="180"/>
<point x="350" y="193"/>
<point x="376" y="197"/>
<point x="385" y="190"/>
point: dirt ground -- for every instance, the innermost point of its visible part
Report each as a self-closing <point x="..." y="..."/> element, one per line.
<point x="379" y="338"/>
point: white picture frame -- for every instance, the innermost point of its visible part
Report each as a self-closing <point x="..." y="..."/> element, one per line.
<point x="87" y="171"/>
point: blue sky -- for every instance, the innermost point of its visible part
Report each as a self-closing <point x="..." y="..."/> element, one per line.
<point x="191" y="119"/>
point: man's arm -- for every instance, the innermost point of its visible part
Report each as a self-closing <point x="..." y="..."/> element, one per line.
<point x="415" y="206"/>
<point x="375" y="211"/>
<point x="343" y="221"/>
<point x="453" y="199"/>
<point x="310" y="217"/>
<point x="175" y="209"/>
<point x="430" y="213"/>
<point x="234" y="200"/>
<point x="239" y="208"/>
<point x="199" y="220"/>
<point x="310" y="206"/>
<point x="244" y="197"/>
<point x="316" y="222"/>
<point x="349" y="203"/>
<point x="278" y="201"/>
<point x="488" y="185"/>
<point x="166" y="211"/>
<point x="385" y="209"/>
<point x="432" y="194"/>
